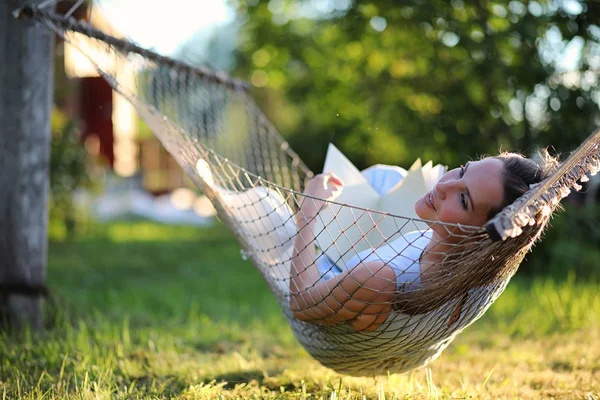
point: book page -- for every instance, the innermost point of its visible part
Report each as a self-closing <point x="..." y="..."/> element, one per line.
<point x="342" y="232"/>
<point x="339" y="229"/>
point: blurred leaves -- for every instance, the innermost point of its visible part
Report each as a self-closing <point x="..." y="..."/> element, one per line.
<point x="571" y="245"/>
<point x="68" y="170"/>
<point x="445" y="80"/>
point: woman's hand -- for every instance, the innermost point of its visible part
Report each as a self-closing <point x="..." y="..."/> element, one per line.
<point x="322" y="186"/>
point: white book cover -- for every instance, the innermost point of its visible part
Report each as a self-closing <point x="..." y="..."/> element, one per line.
<point x="342" y="232"/>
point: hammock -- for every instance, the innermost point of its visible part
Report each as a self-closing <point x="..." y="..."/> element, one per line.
<point x="224" y="143"/>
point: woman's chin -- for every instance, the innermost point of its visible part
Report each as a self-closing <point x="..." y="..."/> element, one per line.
<point x="420" y="209"/>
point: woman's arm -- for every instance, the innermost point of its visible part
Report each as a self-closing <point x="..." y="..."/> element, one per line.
<point x="361" y="296"/>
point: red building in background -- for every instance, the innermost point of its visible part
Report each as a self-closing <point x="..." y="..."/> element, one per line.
<point x="109" y="124"/>
<point x="95" y="108"/>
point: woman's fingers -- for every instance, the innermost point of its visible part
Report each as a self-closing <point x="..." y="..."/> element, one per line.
<point x="324" y="186"/>
<point x="327" y="179"/>
<point x="333" y="178"/>
<point x="333" y="187"/>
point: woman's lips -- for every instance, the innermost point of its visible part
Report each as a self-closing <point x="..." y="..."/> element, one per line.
<point x="429" y="200"/>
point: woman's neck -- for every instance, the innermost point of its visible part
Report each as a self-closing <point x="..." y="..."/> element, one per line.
<point x="433" y="256"/>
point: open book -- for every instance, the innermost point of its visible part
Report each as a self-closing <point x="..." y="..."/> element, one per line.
<point x="342" y="232"/>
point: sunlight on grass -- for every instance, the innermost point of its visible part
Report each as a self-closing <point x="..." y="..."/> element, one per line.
<point x="176" y="313"/>
<point x="544" y="306"/>
<point x="145" y="232"/>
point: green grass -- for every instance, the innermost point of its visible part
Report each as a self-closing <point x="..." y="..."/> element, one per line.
<point x="148" y="311"/>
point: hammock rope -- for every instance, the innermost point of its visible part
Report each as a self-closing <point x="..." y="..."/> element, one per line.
<point x="228" y="148"/>
<point x="546" y="195"/>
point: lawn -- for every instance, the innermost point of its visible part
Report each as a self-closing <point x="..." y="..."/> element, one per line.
<point x="148" y="311"/>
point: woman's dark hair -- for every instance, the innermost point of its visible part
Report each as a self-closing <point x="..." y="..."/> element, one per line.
<point x="520" y="172"/>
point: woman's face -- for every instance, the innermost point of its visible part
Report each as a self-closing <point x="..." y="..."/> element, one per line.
<point x="464" y="195"/>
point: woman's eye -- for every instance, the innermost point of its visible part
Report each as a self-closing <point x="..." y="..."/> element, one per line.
<point x="462" y="171"/>
<point x="463" y="201"/>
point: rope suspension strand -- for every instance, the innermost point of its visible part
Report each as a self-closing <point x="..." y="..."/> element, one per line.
<point x="367" y="287"/>
<point x="62" y="23"/>
<point x="546" y="195"/>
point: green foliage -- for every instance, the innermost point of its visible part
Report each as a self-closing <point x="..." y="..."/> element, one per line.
<point x="68" y="171"/>
<point x="570" y="246"/>
<point x="445" y="80"/>
<point x="152" y="311"/>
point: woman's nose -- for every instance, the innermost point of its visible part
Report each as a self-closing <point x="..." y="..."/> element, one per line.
<point x="442" y="188"/>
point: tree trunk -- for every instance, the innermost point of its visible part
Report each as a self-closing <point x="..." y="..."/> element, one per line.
<point x="26" y="74"/>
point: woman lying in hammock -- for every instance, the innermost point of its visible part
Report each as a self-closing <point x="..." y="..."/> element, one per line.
<point x="363" y="292"/>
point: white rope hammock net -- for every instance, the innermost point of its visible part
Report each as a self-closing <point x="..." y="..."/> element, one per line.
<point x="232" y="153"/>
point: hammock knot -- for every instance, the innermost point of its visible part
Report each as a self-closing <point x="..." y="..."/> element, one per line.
<point x="244" y="255"/>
